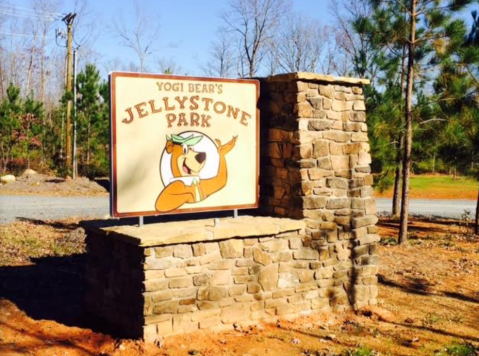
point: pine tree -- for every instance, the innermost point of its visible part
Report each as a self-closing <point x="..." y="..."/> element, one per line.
<point x="10" y="111"/>
<point x="88" y="112"/>
<point x="457" y="88"/>
<point x="20" y="129"/>
<point x="383" y="30"/>
<point x="430" y="27"/>
<point x="30" y="120"/>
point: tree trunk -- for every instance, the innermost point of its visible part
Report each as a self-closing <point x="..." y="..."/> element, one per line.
<point x="476" y="221"/>
<point x="397" y="177"/>
<point x="403" y="225"/>
<point x="88" y="144"/>
<point x="62" y="138"/>
<point x="251" y="69"/>
<point x="4" y="159"/>
<point x="2" y="79"/>
<point x="28" y="148"/>
<point x="13" y="70"/>
<point x="42" y="67"/>
<point x="29" y="71"/>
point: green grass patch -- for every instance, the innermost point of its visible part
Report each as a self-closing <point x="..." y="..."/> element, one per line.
<point x="446" y="183"/>
<point x="457" y="349"/>
<point x="362" y="351"/>
<point x="439" y="187"/>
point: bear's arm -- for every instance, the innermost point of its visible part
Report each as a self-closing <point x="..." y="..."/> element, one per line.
<point x="174" y="196"/>
<point x="212" y="185"/>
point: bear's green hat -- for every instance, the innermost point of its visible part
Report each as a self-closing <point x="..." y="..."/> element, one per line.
<point x="189" y="141"/>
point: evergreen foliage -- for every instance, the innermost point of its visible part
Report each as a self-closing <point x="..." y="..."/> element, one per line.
<point x="92" y="123"/>
<point x="20" y="129"/>
<point x="421" y="82"/>
<point x="31" y="139"/>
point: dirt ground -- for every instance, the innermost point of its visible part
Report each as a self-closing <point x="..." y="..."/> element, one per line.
<point x="428" y="302"/>
<point x="40" y="184"/>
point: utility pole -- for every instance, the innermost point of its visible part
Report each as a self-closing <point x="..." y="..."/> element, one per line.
<point x="75" y="162"/>
<point x="68" y="20"/>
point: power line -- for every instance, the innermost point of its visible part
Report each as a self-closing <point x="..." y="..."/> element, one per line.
<point x="28" y="10"/>
<point x="25" y="8"/>
<point x="41" y="15"/>
<point x="22" y="34"/>
<point x="31" y="17"/>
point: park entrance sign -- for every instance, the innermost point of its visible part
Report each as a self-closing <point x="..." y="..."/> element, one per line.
<point x="182" y="144"/>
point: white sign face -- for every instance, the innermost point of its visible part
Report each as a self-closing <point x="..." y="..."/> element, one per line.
<point x="182" y="144"/>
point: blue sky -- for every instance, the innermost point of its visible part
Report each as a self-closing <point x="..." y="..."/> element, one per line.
<point x="186" y="27"/>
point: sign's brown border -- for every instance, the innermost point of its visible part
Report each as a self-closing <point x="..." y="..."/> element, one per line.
<point x="113" y="185"/>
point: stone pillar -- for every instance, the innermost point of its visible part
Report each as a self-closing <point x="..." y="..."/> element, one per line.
<point x="315" y="166"/>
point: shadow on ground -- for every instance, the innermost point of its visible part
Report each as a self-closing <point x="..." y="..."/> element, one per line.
<point x="56" y="224"/>
<point x="103" y="182"/>
<point x="52" y="288"/>
<point x="414" y="227"/>
<point x="421" y="287"/>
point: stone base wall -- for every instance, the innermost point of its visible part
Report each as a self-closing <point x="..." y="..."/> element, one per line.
<point x="152" y="290"/>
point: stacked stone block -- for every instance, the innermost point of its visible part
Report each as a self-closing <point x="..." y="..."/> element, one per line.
<point x="315" y="166"/>
<point x="213" y="285"/>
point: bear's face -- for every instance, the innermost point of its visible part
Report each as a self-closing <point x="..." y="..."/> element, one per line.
<point x="185" y="162"/>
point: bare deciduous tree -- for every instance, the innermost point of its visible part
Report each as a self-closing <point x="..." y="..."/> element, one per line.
<point x="168" y="66"/>
<point x="221" y="63"/>
<point x="113" y="64"/>
<point x="40" y="40"/>
<point x="333" y="61"/>
<point x="356" y="48"/>
<point x="254" y="24"/>
<point x="85" y="32"/>
<point x="142" y="37"/>
<point x="299" y="45"/>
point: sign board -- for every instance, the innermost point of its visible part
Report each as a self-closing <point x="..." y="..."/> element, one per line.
<point x="182" y="144"/>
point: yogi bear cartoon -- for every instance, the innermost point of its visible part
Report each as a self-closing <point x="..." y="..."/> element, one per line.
<point x="187" y="162"/>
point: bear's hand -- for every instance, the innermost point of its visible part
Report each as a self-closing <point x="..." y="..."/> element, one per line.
<point x="173" y="196"/>
<point x="222" y="150"/>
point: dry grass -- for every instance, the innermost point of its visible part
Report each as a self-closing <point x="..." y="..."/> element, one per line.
<point x="22" y="241"/>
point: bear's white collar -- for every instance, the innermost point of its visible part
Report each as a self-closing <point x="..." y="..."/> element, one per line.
<point x="189" y="181"/>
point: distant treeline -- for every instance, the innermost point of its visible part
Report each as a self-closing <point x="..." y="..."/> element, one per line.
<point x="34" y="137"/>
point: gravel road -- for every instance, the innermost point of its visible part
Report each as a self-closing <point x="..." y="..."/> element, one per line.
<point x="44" y="207"/>
<point x="443" y="208"/>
